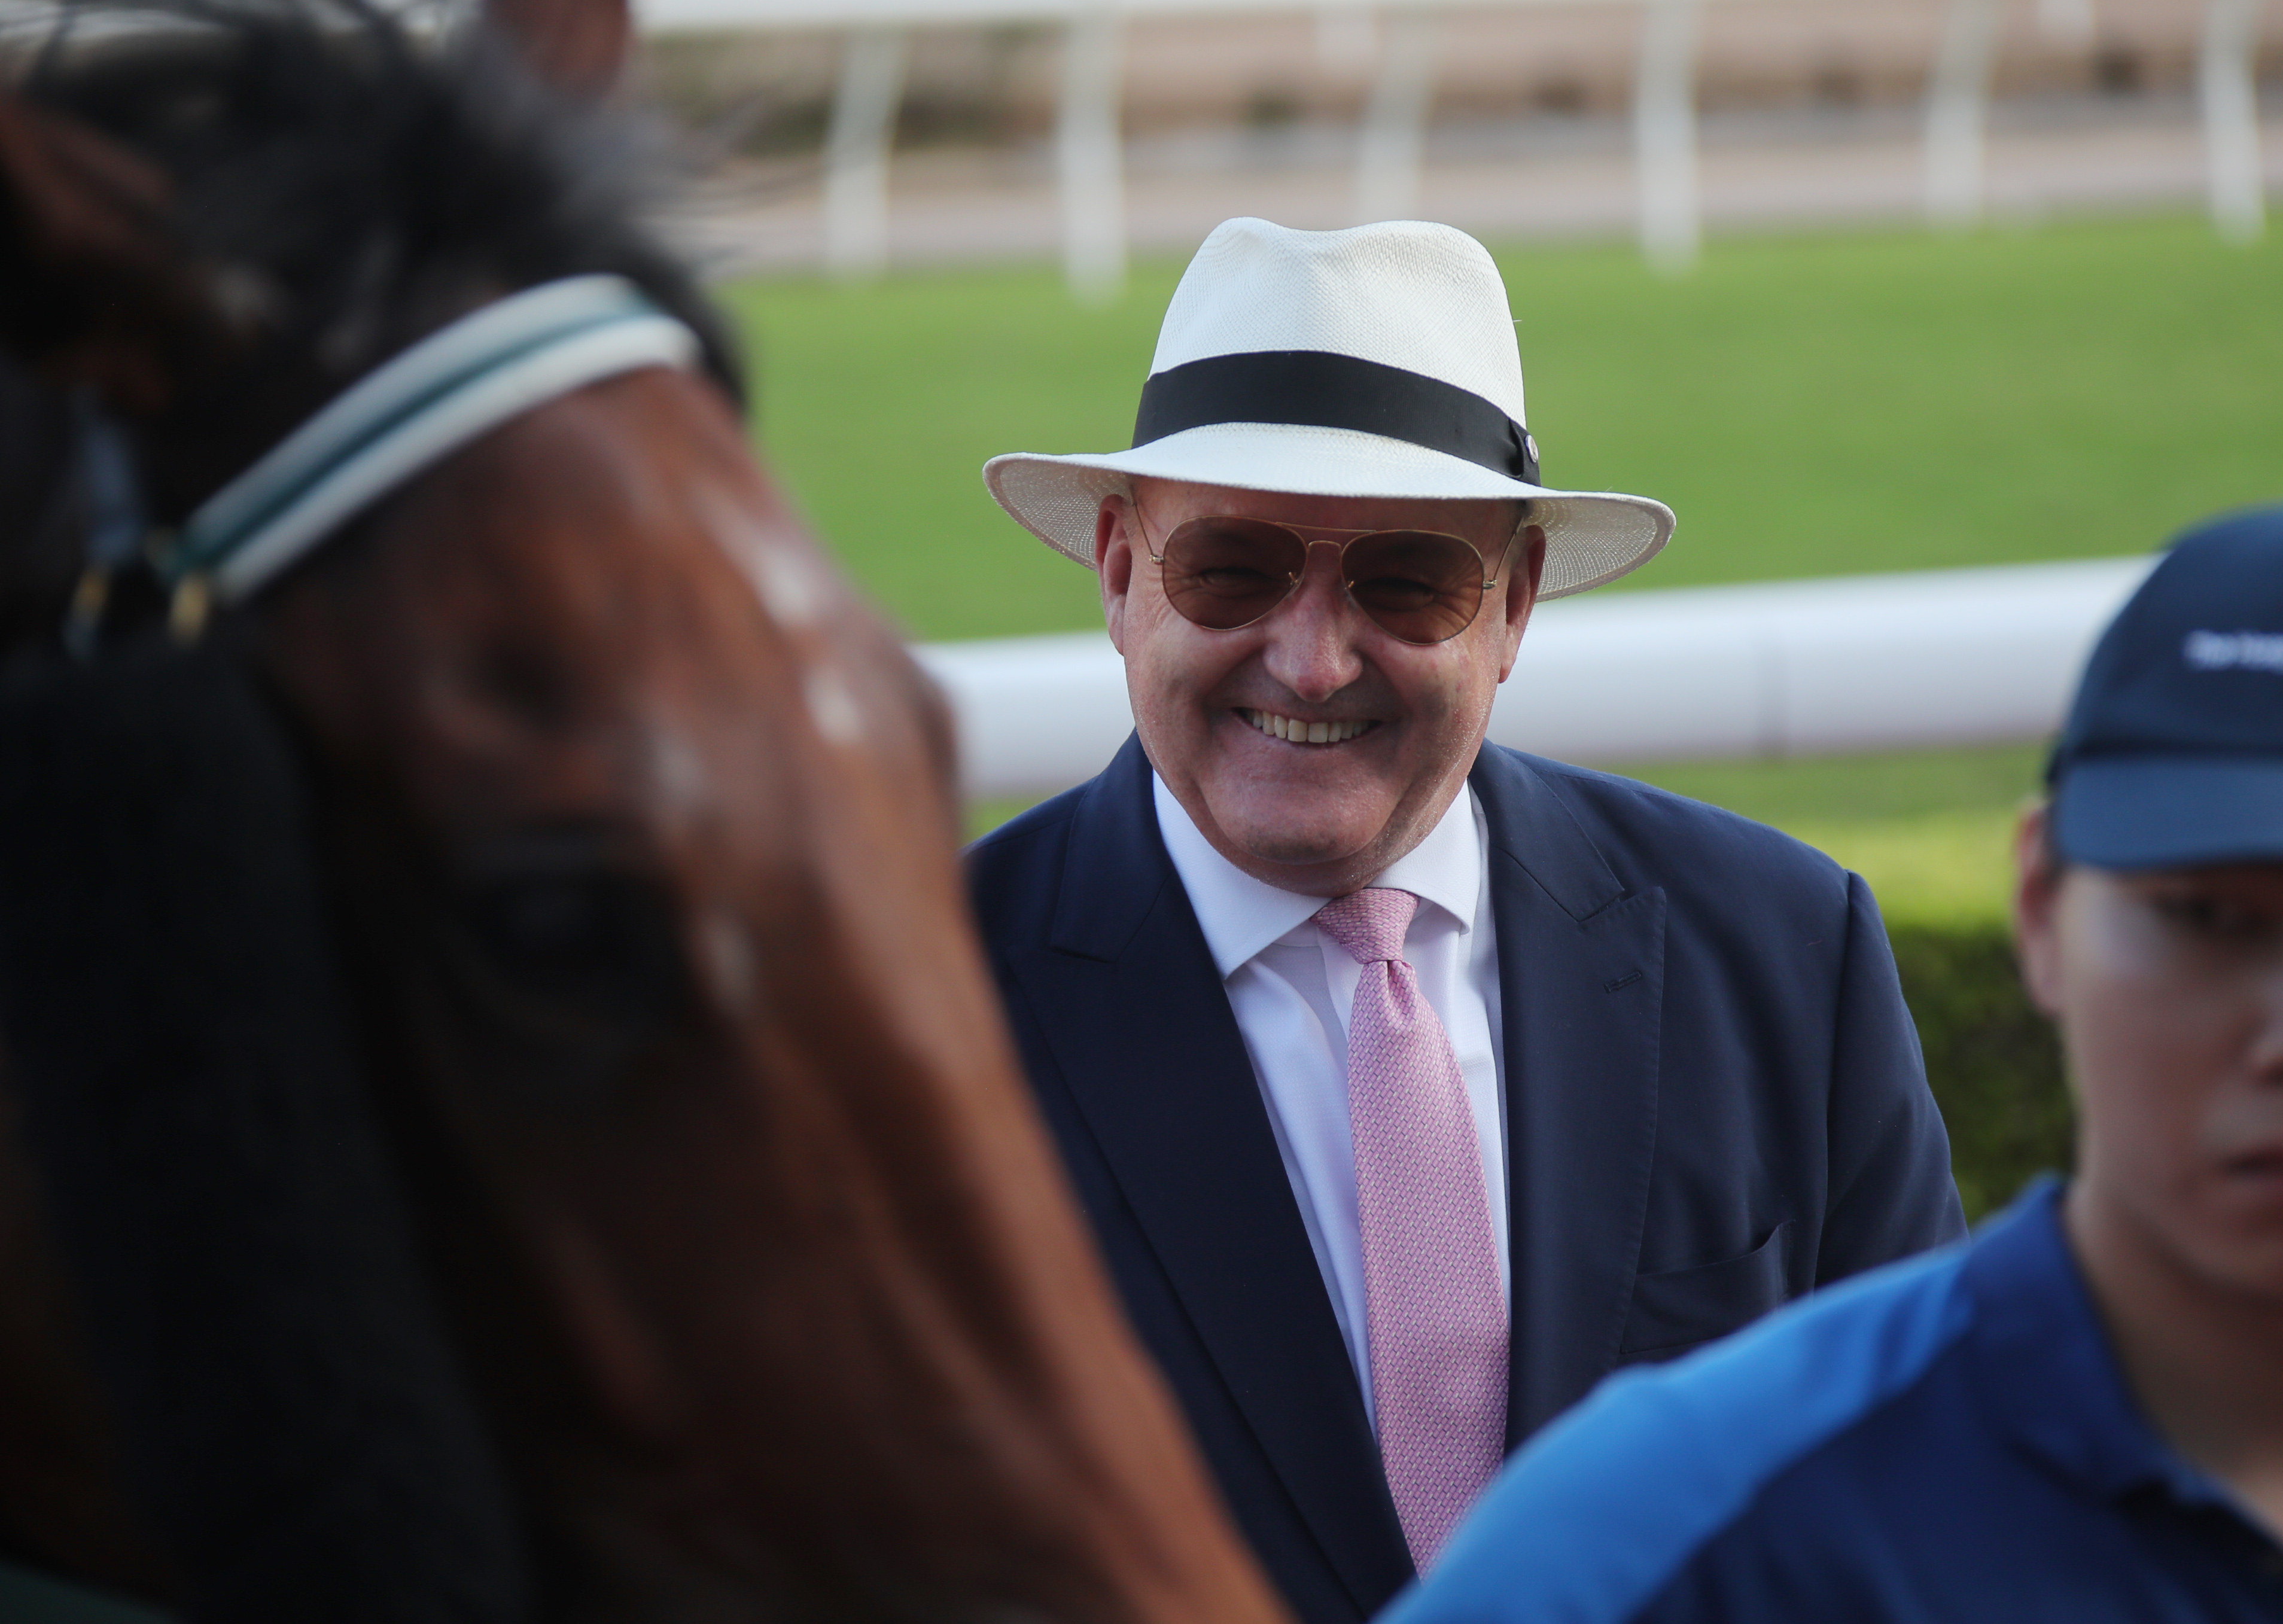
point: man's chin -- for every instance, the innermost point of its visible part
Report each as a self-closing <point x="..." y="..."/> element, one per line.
<point x="1302" y="849"/>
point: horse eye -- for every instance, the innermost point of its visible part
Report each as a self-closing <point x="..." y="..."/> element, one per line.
<point x="580" y="956"/>
<point x="590" y="931"/>
<point x="550" y="927"/>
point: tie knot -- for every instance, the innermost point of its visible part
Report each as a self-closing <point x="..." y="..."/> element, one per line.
<point x="1370" y="923"/>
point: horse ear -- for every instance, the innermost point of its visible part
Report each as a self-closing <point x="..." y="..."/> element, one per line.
<point x="94" y="288"/>
<point x="577" y="46"/>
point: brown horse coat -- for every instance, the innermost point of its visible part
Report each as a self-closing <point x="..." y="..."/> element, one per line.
<point x="633" y="831"/>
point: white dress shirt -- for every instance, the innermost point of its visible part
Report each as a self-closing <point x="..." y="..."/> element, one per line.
<point x="1292" y="988"/>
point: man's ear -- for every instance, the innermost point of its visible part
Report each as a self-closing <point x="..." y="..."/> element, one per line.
<point x="2037" y="899"/>
<point x="95" y="288"/>
<point x="1524" y="569"/>
<point x="1113" y="561"/>
<point x="577" y="46"/>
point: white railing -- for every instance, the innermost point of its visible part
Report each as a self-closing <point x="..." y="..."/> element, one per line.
<point x="1664" y="134"/>
<point x="1391" y="142"/>
<point x="856" y="151"/>
<point x="1958" y="107"/>
<point x="2228" y="88"/>
<point x="1793" y="668"/>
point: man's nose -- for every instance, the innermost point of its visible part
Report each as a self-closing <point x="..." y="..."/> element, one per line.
<point x="2267" y="1046"/>
<point x="1312" y="636"/>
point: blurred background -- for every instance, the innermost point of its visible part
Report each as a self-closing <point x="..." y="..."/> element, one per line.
<point x="1856" y="286"/>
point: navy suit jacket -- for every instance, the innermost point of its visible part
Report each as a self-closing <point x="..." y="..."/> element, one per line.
<point x="1715" y="1102"/>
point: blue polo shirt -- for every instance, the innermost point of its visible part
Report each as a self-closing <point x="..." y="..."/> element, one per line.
<point x="1946" y="1438"/>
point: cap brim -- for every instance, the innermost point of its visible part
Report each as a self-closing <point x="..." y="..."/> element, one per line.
<point x="2169" y="811"/>
<point x="1591" y="537"/>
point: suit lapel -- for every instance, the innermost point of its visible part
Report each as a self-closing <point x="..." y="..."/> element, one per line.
<point x="1140" y="1026"/>
<point x="1581" y="979"/>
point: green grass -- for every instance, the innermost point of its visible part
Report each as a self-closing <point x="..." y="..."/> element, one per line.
<point x="1938" y="868"/>
<point x="1932" y="832"/>
<point x="1809" y="405"/>
<point x="1891" y="788"/>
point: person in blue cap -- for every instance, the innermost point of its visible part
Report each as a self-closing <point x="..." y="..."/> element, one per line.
<point x="2077" y="1416"/>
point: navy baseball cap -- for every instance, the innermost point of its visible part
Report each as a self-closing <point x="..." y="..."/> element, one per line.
<point x="2172" y="756"/>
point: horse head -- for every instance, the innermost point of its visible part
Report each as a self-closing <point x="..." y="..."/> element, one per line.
<point x="513" y="965"/>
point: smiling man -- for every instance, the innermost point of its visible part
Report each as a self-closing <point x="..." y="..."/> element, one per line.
<point x="1410" y="1084"/>
<point x="2079" y="1417"/>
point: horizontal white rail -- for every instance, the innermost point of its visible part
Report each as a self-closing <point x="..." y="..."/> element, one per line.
<point x="1035" y="714"/>
<point x="1859" y="662"/>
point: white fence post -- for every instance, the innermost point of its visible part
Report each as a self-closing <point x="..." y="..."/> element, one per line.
<point x="1957" y="101"/>
<point x="1391" y="149"/>
<point x="2070" y="23"/>
<point x="1665" y="135"/>
<point x="1347" y="35"/>
<point x="2227" y="84"/>
<point x="1087" y="152"/>
<point x="856" y="151"/>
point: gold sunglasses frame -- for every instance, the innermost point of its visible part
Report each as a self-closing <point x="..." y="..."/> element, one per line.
<point x="1308" y="535"/>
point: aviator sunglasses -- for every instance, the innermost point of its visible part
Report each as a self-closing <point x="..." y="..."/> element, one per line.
<point x="1418" y="585"/>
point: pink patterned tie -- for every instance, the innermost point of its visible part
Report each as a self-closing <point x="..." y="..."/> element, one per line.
<point x="1439" y="1338"/>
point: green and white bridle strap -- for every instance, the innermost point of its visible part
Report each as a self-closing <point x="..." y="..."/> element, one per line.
<point x="414" y="409"/>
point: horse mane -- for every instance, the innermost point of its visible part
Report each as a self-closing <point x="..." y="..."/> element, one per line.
<point x="332" y="188"/>
<point x="343" y="187"/>
<point x="42" y="554"/>
<point x="291" y="1418"/>
<point x="336" y="188"/>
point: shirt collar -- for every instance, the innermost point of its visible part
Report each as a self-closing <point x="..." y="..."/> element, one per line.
<point x="1240" y="915"/>
<point x="2046" y="1363"/>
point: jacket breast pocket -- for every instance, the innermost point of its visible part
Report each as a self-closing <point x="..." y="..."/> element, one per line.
<point x="1674" y="1311"/>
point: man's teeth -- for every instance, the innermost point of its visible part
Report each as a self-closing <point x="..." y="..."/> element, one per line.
<point x="1295" y="731"/>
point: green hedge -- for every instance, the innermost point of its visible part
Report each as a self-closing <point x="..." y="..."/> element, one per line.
<point x="1992" y="1060"/>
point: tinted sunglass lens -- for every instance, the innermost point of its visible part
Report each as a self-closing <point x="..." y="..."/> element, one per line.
<point x="1222" y="573"/>
<point x="1420" y="586"/>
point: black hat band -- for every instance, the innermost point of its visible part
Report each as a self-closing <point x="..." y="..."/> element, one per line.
<point x="1317" y="389"/>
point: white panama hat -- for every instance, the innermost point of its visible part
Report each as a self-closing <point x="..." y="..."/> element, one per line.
<point x="1375" y="362"/>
